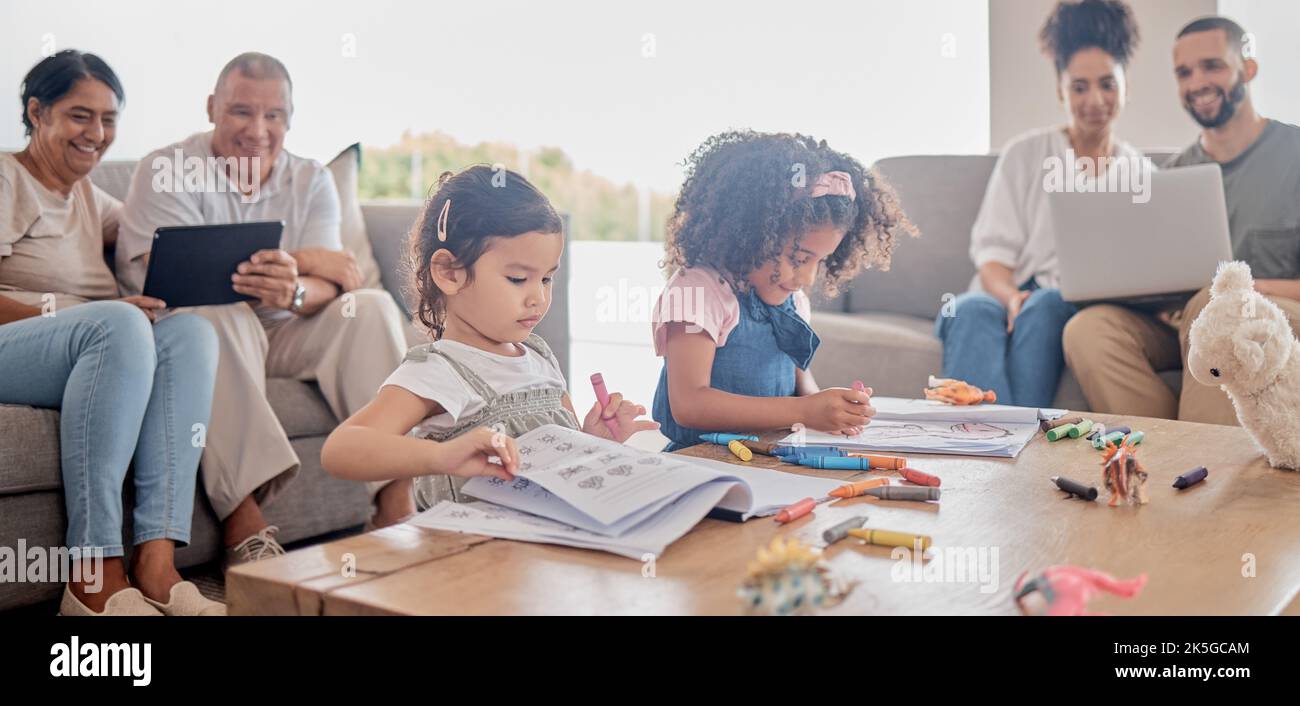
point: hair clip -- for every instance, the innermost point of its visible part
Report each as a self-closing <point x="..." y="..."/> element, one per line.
<point x="442" y="221"/>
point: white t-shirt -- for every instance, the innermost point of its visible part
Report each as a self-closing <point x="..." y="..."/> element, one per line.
<point x="435" y="380"/>
<point x="1014" y="226"/>
<point x="51" y="243"/>
<point x="300" y="192"/>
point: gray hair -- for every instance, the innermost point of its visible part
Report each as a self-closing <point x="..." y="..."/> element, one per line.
<point x="255" y="65"/>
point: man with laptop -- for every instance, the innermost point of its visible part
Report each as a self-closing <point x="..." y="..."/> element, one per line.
<point x="1115" y="351"/>
<point x="295" y="323"/>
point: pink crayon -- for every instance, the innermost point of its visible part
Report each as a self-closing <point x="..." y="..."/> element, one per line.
<point x="602" y="396"/>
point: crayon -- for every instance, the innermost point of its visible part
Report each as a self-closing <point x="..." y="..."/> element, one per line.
<point x="1057" y="433"/>
<point x="740" y="451"/>
<point x="722" y="439"/>
<point x="1060" y="421"/>
<point x="760" y="447"/>
<point x="1190" y="478"/>
<point x="1075" y="488"/>
<point x="886" y="538"/>
<point x="1080" y="429"/>
<point x="853" y="490"/>
<point x="1113" y="437"/>
<point x="880" y="462"/>
<point x="792" y="454"/>
<point x="840" y="531"/>
<point x="602" y="396"/>
<point x="797" y="510"/>
<point x="904" y="492"/>
<point x="915" y="476"/>
<point x="832" y="463"/>
<point x="1135" y="438"/>
<point x="1093" y="435"/>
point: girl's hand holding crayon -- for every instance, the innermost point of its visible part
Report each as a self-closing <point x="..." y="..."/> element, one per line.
<point x="468" y="454"/>
<point x="838" y="410"/>
<point x="622" y="413"/>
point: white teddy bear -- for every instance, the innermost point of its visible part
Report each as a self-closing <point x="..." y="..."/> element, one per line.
<point x="1243" y="343"/>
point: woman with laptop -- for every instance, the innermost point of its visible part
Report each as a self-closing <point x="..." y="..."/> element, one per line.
<point x="1005" y="334"/>
<point x="128" y="383"/>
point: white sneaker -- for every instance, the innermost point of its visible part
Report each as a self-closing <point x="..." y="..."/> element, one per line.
<point x="185" y="599"/>
<point x="128" y="601"/>
<point x="256" y="548"/>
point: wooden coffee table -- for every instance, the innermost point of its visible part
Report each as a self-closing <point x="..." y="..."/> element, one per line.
<point x="1229" y="546"/>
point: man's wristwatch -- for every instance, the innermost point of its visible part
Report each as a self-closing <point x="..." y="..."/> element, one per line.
<point x="299" y="297"/>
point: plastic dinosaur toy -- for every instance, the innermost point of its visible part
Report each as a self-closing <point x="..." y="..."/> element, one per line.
<point x="1122" y="474"/>
<point x="1066" y="590"/>
<point x="788" y="578"/>
<point x="957" y="392"/>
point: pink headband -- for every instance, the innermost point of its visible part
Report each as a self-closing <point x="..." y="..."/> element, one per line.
<point x="833" y="184"/>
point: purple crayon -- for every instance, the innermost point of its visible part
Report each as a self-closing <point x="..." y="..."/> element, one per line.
<point x="1190" y="478"/>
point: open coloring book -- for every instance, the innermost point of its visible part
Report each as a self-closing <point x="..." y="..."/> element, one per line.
<point x="929" y="426"/>
<point x="576" y="489"/>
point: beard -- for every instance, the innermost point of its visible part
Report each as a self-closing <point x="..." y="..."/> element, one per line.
<point x="1228" y="102"/>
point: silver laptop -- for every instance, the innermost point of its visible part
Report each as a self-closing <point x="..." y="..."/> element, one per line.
<point x="1151" y="255"/>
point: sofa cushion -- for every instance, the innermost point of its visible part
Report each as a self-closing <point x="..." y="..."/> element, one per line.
<point x="353" y="227"/>
<point x="299" y="407"/>
<point x="29" y="449"/>
<point x="942" y="196"/>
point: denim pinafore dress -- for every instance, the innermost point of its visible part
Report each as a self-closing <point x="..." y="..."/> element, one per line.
<point x="514" y="414"/>
<point x="759" y="360"/>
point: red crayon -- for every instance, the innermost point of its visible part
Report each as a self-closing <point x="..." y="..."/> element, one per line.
<point x="920" y="478"/>
<point x="797" y="510"/>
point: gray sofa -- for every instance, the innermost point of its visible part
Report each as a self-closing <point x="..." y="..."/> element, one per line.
<point x="881" y="330"/>
<point x="31" y="499"/>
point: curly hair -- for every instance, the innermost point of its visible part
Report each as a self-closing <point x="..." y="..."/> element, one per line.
<point x="746" y="195"/>
<point x="1075" y="25"/>
<point x="486" y="203"/>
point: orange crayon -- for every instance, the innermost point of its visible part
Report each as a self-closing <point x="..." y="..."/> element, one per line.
<point x="884" y="463"/>
<point x="853" y="490"/>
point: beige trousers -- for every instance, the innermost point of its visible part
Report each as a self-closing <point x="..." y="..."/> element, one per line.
<point x="1116" y="352"/>
<point x="349" y="348"/>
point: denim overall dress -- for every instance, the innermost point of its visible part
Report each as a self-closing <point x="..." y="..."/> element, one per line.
<point x="513" y="414"/>
<point x="759" y="360"/>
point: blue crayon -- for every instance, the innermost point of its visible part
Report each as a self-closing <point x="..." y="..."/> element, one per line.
<point x="836" y="463"/>
<point x="807" y="451"/>
<point x="722" y="438"/>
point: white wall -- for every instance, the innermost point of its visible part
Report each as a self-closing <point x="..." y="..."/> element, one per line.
<point x="626" y="89"/>
<point x="1023" y="81"/>
<point x="1276" y="90"/>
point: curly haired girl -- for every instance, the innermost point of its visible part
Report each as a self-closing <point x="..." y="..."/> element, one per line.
<point x="760" y="215"/>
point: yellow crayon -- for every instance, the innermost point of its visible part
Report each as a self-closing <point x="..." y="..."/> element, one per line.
<point x="742" y="452"/>
<point x="886" y="538"/>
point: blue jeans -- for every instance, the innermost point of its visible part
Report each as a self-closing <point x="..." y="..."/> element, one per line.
<point x="125" y="388"/>
<point x="1023" y="367"/>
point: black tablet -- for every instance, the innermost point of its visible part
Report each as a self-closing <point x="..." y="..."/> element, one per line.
<point x="192" y="265"/>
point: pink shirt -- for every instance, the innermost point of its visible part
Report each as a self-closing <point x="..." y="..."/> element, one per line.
<point x="699" y="297"/>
